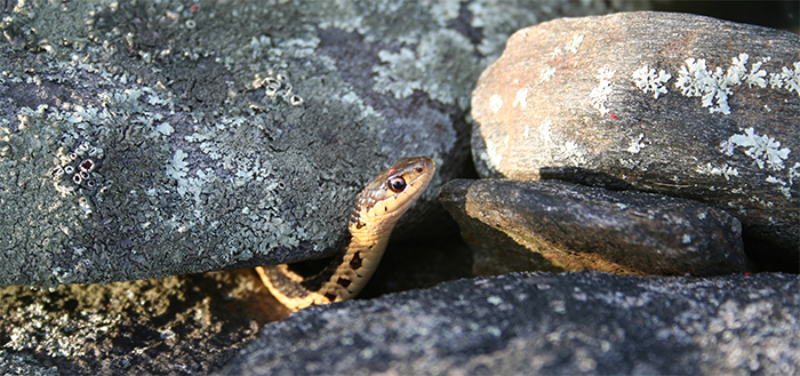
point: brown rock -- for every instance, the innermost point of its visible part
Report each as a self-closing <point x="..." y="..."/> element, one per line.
<point x="573" y="227"/>
<point x="683" y="105"/>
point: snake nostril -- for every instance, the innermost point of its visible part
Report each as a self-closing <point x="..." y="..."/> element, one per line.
<point x="419" y="170"/>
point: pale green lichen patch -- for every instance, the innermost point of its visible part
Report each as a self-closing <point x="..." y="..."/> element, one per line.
<point x="418" y="18"/>
<point x="154" y="138"/>
<point x="27" y="193"/>
<point x="113" y="183"/>
<point x="424" y="68"/>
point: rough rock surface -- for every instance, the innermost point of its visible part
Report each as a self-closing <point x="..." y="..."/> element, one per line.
<point x="573" y="227"/>
<point x="541" y="323"/>
<point x="683" y="105"/>
<point x="145" y="139"/>
<point x="187" y="325"/>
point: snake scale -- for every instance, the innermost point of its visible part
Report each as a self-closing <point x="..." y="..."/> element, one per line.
<point x="373" y="217"/>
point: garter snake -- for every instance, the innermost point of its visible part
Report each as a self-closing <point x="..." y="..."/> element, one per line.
<point x="373" y="217"/>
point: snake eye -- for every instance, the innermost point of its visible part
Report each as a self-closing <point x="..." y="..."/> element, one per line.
<point x="397" y="184"/>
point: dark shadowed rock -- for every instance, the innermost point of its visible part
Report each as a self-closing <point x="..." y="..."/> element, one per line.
<point x="683" y="105"/>
<point x="146" y="139"/>
<point x="185" y="325"/>
<point x="182" y="325"/>
<point x="567" y="324"/>
<point x="573" y="227"/>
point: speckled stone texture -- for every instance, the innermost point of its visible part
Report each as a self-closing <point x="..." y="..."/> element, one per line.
<point x="185" y="325"/>
<point x="572" y="227"/>
<point x="678" y="104"/>
<point x="566" y="324"/>
<point x="182" y="325"/>
<point x="146" y="139"/>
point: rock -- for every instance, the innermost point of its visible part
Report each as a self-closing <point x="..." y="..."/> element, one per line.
<point x="682" y="105"/>
<point x="183" y="325"/>
<point x="146" y="139"/>
<point x="186" y="325"/>
<point x="540" y="323"/>
<point x="573" y="227"/>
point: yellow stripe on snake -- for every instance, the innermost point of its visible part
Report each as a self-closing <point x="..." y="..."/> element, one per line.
<point x="377" y="210"/>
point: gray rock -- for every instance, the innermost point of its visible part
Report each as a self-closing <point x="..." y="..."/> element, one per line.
<point x="573" y="227"/>
<point x="145" y="139"/>
<point x="571" y="323"/>
<point x="182" y="325"/>
<point x="185" y="325"/>
<point x="678" y="104"/>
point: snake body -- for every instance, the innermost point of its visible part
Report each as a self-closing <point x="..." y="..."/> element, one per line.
<point x="373" y="217"/>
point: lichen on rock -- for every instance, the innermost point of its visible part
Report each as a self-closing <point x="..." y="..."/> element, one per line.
<point x="231" y="134"/>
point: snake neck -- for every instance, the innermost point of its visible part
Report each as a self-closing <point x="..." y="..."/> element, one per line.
<point x="350" y="270"/>
<point x="373" y="217"/>
<point x="342" y="279"/>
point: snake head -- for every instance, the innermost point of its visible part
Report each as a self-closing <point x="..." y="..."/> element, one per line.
<point x="392" y="192"/>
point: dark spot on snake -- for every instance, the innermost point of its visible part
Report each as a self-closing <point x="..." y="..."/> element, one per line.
<point x="315" y="283"/>
<point x="359" y="225"/>
<point x="385" y="209"/>
<point x="355" y="263"/>
<point x="418" y="169"/>
<point x="344" y="282"/>
<point x="330" y="296"/>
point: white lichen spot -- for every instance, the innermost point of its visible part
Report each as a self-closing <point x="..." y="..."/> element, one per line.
<point x="573" y="45"/>
<point x="715" y="86"/>
<point x="544" y="131"/>
<point x="605" y="73"/>
<point x="737" y="70"/>
<point x="757" y="76"/>
<point x="725" y="170"/>
<point x="686" y="239"/>
<point x="178" y="168"/>
<point x="494" y="300"/>
<point x="494" y="154"/>
<point x="165" y="129"/>
<point x="785" y="189"/>
<point x="648" y="81"/>
<point x="599" y="94"/>
<point x="547" y="73"/>
<point x="574" y="152"/>
<point x="776" y="80"/>
<point x="766" y="107"/>
<point x="791" y="78"/>
<point x="636" y="145"/>
<point x="727" y="147"/>
<point x="629" y="163"/>
<point x="495" y="103"/>
<point x="695" y="81"/>
<point x="763" y="149"/>
<point x="521" y="98"/>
